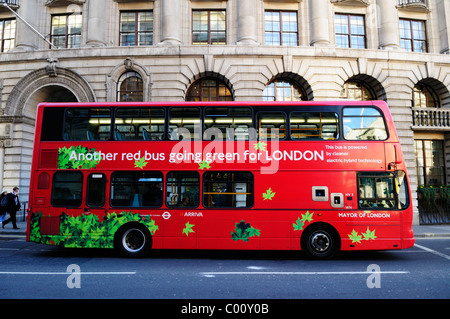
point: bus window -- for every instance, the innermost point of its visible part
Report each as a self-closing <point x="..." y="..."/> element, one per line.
<point x="67" y="189"/>
<point x="95" y="193"/>
<point x="184" y="123"/>
<point x="228" y="189"/>
<point x="402" y="189"/>
<point x="183" y="189"/>
<point x="136" y="189"/>
<point x="230" y="123"/>
<point x="87" y="124"/>
<point x="363" y="123"/>
<point x="139" y="124"/>
<point x="376" y="191"/>
<point x="314" y="126"/>
<point x="271" y="126"/>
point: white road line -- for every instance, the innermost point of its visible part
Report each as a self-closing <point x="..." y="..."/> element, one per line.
<point x="433" y="251"/>
<point x="301" y="273"/>
<point x="67" y="273"/>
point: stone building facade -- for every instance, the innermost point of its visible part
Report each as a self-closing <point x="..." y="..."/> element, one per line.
<point x="177" y="50"/>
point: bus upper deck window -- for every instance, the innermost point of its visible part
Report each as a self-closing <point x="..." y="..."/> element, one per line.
<point x="228" y="123"/>
<point x="87" y="124"/>
<point x="314" y="126"/>
<point x="271" y="125"/>
<point x="364" y="123"/>
<point x="184" y="123"/>
<point x="139" y="124"/>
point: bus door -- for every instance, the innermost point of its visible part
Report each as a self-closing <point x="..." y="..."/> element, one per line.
<point x="95" y="195"/>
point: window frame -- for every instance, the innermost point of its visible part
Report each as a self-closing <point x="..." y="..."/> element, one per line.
<point x="178" y="136"/>
<point x="90" y="178"/>
<point x="136" y="32"/>
<point x="319" y="128"/>
<point x="2" y="34"/>
<point x="422" y="155"/>
<point x="208" y="192"/>
<point x="280" y="30"/>
<point x="170" y="198"/>
<point x="344" y="117"/>
<point x="412" y="37"/>
<point x="67" y="35"/>
<point x="349" y="34"/>
<point x="209" y="31"/>
<point x="142" y="133"/>
<point x="135" y="184"/>
<point x="92" y="136"/>
<point x="76" y="203"/>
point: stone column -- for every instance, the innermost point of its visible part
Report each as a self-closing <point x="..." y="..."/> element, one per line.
<point x="388" y="27"/>
<point x="96" y="30"/>
<point x="26" y="39"/>
<point x="246" y="26"/>
<point x="320" y="31"/>
<point x="171" y="22"/>
<point x="443" y="12"/>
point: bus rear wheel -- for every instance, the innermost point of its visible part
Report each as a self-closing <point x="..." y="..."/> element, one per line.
<point x="133" y="240"/>
<point x="320" y="241"/>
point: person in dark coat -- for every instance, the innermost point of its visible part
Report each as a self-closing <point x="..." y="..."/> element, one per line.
<point x="12" y="207"/>
<point x="3" y="208"/>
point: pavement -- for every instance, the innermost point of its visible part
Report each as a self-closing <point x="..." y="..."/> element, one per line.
<point x="420" y="231"/>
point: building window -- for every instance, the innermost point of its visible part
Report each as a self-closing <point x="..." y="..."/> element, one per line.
<point x="358" y="91"/>
<point x="280" y="90"/>
<point x="208" y="27"/>
<point x="350" y="31"/>
<point x="136" y="28"/>
<point x="209" y="89"/>
<point x="66" y="31"/>
<point x="130" y="87"/>
<point x="413" y="35"/>
<point x="7" y="34"/>
<point x="281" y="28"/>
<point x="424" y="96"/>
<point x="430" y="162"/>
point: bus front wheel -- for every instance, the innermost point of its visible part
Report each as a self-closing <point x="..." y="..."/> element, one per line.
<point x="320" y="241"/>
<point x="133" y="240"/>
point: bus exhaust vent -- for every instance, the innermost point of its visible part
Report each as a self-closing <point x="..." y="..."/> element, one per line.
<point x="49" y="159"/>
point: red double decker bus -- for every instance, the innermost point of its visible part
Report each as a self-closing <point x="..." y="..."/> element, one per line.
<point x="313" y="176"/>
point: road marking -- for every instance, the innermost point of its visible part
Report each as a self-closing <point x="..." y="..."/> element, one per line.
<point x="67" y="273"/>
<point x="209" y="274"/>
<point x="433" y="251"/>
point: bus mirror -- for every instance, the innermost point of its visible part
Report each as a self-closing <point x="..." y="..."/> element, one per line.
<point x="398" y="159"/>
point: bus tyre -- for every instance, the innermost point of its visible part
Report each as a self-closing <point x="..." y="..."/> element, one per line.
<point x="133" y="240"/>
<point x="320" y="241"/>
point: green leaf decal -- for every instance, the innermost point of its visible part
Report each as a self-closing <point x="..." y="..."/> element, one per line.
<point x="204" y="164"/>
<point x="260" y="146"/>
<point x="306" y="217"/>
<point x="369" y="234"/>
<point x="77" y="157"/>
<point x="268" y="194"/>
<point x="87" y="230"/>
<point x="244" y="231"/>
<point x="355" y="237"/>
<point x="188" y="229"/>
<point x="141" y="163"/>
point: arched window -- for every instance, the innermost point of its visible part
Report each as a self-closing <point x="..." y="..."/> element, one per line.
<point x="424" y="96"/>
<point x="130" y="87"/>
<point x="358" y="91"/>
<point x="281" y="90"/>
<point x="209" y="89"/>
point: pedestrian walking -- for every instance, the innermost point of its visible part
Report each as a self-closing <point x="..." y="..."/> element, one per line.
<point x="3" y="207"/>
<point x="12" y="206"/>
